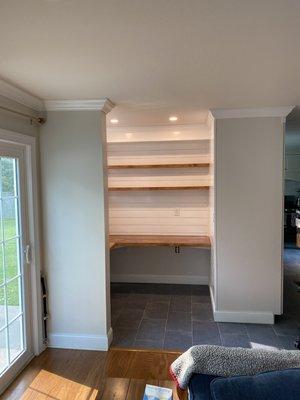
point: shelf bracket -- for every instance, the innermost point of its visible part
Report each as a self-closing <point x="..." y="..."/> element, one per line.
<point x="177" y="249"/>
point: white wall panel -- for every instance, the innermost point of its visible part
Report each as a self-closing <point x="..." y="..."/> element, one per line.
<point x="159" y="212"/>
<point x="177" y="213"/>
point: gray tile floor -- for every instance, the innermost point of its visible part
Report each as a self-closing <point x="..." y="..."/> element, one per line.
<point x="175" y="317"/>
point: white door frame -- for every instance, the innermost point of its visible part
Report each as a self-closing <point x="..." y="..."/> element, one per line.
<point x="29" y="146"/>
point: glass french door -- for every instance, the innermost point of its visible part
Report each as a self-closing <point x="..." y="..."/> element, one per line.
<point x="14" y="292"/>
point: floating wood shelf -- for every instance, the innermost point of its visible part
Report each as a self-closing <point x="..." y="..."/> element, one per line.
<point x="186" y="165"/>
<point x="126" y="142"/>
<point x="158" y="240"/>
<point x="136" y="188"/>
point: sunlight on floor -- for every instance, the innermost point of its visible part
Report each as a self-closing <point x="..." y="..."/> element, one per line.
<point x="47" y="385"/>
<point x="255" y="345"/>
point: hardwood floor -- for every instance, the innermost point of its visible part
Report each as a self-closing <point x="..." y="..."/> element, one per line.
<point x="118" y="374"/>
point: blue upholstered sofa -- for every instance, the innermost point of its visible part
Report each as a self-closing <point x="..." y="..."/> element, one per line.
<point x="276" y="385"/>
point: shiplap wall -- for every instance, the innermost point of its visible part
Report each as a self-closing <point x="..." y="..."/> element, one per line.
<point x="168" y="152"/>
<point x="159" y="212"/>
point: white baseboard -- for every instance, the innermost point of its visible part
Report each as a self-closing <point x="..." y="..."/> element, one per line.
<point x="177" y="279"/>
<point x="249" y="317"/>
<point x="80" y="342"/>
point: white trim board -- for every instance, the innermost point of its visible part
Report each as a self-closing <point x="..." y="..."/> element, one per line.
<point x="11" y="377"/>
<point x="173" y="279"/>
<point x="250" y="317"/>
<point x="29" y="145"/>
<point x="21" y="96"/>
<point x="80" y="341"/>
<point x="223" y="113"/>
<point x="104" y="105"/>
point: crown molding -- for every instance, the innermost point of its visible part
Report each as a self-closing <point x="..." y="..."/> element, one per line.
<point x="222" y="113"/>
<point x="104" y="105"/>
<point x="20" y="96"/>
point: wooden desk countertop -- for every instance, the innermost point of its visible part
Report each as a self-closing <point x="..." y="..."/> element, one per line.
<point x="158" y="240"/>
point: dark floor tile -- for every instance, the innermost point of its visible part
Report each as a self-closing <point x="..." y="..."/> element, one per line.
<point x="156" y="309"/>
<point x="178" y="341"/>
<point x="124" y="337"/>
<point x="114" y="317"/>
<point x="181" y="289"/>
<point x="200" y="290"/>
<point x="162" y="289"/>
<point x="265" y="342"/>
<point x="130" y="319"/>
<point x="120" y="288"/>
<point x="119" y="296"/>
<point x="199" y="298"/>
<point x="287" y="342"/>
<point x="117" y="305"/>
<point x="179" y="321"/>
<point x="205" y="333"/>
<point x="207" y="339"/>
<point x="165" y="298"/>
<point x="259" y="330"/>
<point x="262" y="336"/>
<point x="232" y="328"/>
<point x="143" y="288"/>
<point x="287" y="328"/>
<point x="180" y="303"/>
<point x="235" y="340"/>
<point x="148" y="344"/>
<point x="152" y="329"/>
<point x="202" y="312"/>
<point x="137" y="301"/>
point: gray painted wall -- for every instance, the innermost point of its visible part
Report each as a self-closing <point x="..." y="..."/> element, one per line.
<point x="249" y="192"/>
<point x="75" y="246"/>
<point x="160" y="264"/>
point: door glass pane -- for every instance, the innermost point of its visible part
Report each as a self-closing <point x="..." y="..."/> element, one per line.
<point x="13" y="290"/>
<point x="15" y="334"/>
<point x="1" y="230"/>
<point x="1" y="264"/>
<point x="8" y="176"/>
<point x="11" y="251"/>
<point x="3" y="350"/>
<point x="11" y="271"/>
<point x="10" y="218"/>
<point x="2" y="308"/>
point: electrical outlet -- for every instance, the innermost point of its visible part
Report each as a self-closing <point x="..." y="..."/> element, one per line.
<point x="177" y="212"/>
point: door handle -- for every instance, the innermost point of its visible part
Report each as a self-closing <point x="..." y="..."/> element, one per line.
<point x="27" y="253"/>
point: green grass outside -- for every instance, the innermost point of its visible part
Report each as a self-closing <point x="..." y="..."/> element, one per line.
<point x="10" y="248"/>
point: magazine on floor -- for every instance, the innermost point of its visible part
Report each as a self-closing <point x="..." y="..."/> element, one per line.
<point x="157" y="393"/>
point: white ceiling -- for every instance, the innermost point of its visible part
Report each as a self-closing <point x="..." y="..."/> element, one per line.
<point x="154" y="57"/>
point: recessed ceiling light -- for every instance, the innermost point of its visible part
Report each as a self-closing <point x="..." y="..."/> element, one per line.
<point x="176" y="133"/>
<point x="114" y="121"/>
<point x="173" y="118"/>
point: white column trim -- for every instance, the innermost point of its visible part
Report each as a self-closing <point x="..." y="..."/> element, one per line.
<point x="104" y="105"/>
<point x="80" y="341"/>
